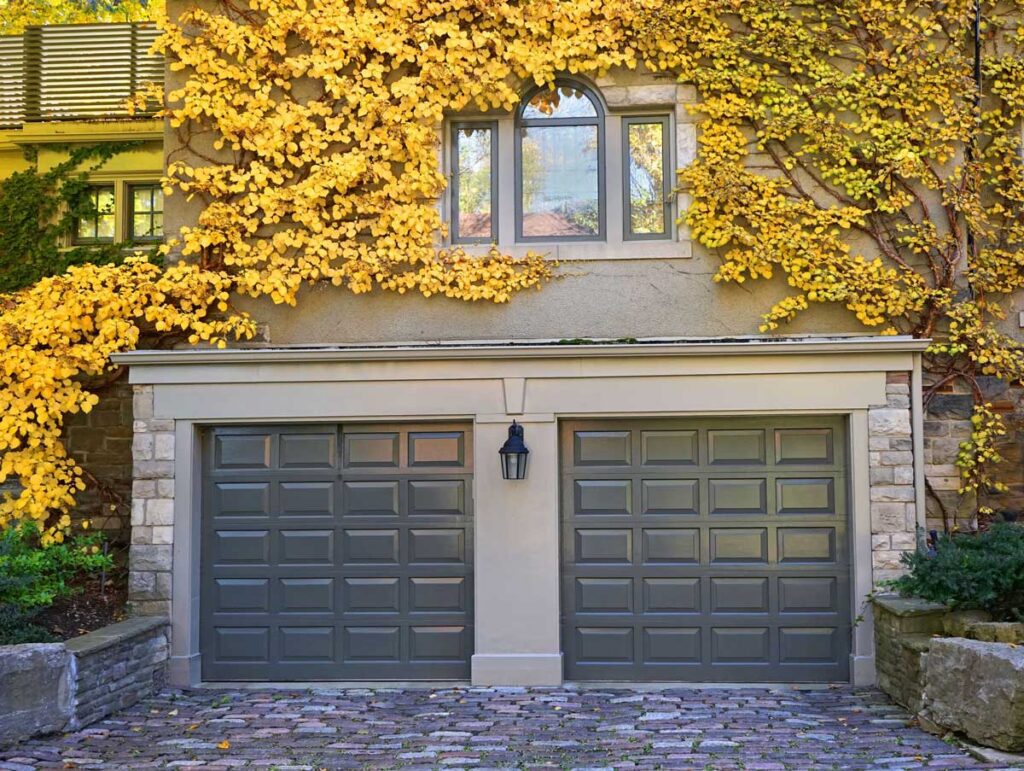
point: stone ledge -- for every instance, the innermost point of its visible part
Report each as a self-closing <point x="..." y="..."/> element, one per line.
<point x="997" y="631"/>
<point x="111" y="635"/>
<point x="917" y="642"/>
<point x="907" y="607"/>
<point x="977" y="689"/>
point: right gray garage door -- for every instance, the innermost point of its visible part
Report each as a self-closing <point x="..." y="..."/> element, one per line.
<point x="705" y="550"/>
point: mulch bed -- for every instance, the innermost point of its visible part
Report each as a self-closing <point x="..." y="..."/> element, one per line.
<point x="87" y="610"/>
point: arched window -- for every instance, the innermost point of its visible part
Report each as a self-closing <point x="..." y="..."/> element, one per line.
<point x="560" y="168"/>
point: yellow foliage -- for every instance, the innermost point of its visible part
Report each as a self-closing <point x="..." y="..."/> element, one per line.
<point x="15" y="15"/>
<point x="64" y="329"/>
<point x="831" y="156"/>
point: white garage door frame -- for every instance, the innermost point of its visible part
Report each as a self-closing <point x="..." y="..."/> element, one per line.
<point x="517" y="632"/>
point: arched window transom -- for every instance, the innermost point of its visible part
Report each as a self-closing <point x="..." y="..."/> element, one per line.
<point x="560" y="164"/>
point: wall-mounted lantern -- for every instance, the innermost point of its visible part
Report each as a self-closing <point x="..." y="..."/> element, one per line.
<point x="514" y="454"/>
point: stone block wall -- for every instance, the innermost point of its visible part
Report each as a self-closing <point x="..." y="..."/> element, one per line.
<point x="117" y="666"/>
<point x="37" y="692"/>
<point x="101" y="441"/>
<point x="149" y="564"/>
<point x="947" y="424"/>
<point x="891" y="471"/>
<point x="929" y="660"/>
<point x="49" y="687"/>
<point x="903" y="631"/>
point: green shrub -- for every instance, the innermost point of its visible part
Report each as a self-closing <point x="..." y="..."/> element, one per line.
<point x="17" y="627"/>
<point x="972" y="572"/>
<point x="32" y="577"/>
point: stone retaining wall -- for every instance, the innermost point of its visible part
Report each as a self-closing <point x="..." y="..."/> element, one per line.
<point x="904" y="629"/>
<point x="36" y="690"/>
<point x="971" y="687"/>
<point x="117" y="666"/>
<point x="48" y="687"/>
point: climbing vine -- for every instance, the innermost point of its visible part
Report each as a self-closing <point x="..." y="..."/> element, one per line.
<point x="832" y="154"/>
<point x="895" y="186"/>
<point x="38" y="214"/>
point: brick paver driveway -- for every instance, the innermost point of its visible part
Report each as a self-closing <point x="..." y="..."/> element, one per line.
<point x="750" y="728"/>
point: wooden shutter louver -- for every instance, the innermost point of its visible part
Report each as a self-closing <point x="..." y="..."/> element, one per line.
<point x="75" y="71"/>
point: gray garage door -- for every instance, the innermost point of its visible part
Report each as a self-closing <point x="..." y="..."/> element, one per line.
<point x="335" y="553"/>
<point x="705" y="550"/>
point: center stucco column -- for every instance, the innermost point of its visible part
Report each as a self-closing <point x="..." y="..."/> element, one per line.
<point x="516" y="558"/>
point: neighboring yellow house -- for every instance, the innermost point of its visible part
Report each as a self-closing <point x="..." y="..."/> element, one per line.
<point x="65" y="85"/>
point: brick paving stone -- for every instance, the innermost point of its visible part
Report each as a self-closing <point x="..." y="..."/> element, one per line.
<point x="600" y="729"/>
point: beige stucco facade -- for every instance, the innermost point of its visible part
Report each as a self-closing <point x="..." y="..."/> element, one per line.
<point x="335" y="359"/>
<point x="605" y="288"/>
<point x="874" y="383"/>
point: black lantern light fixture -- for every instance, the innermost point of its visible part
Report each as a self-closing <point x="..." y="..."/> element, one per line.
<point x="514" y="454"/>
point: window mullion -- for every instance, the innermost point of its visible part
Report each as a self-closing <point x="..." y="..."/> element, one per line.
<point x="506" y="187"/>
<point x="616" y="206"/>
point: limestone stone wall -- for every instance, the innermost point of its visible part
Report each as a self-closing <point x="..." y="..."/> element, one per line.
<point x="149" y="578"/>
<point x="891" y="470"/>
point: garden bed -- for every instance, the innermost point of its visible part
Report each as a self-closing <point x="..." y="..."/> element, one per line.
<point x="91" y="607"/>
<point x="51" y="592"/>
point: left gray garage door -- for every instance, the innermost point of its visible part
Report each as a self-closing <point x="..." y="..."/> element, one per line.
<point x="337" y="553"/>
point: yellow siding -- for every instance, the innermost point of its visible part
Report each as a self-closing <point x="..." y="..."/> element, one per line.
<point x="51" y="140"/>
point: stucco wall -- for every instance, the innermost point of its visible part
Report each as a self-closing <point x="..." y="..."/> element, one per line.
<point x="591" y="297"/>
<point x="627" y="298"/>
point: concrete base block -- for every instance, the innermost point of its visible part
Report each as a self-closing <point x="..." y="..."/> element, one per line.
<point x="863" y="671"/>
<point x="36" y="690"/>
<point x="184" y="671"/>
<point x="517" y="669"/>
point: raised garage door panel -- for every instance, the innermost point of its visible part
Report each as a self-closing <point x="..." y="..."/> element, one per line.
<point x="705" y="550"/>
<point x="337" y="552"/>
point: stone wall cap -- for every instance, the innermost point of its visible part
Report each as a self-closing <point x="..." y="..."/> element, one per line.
<point x="31" y="647"/>
<point x="507" y="349"/>
<point x="919" y="642"/>
<point x="908" y="606"/>
<point x="1007" y="651"/>
<point x="112" y="635"/>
